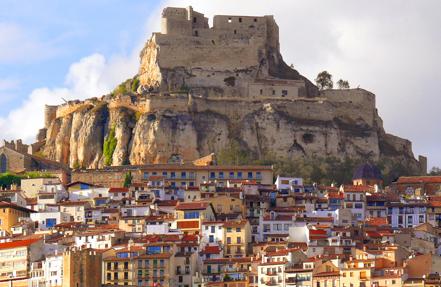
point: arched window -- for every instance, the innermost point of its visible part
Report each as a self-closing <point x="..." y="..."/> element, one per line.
<point x="3" y="163"/>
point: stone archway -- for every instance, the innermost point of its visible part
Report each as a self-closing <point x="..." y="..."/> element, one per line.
<point x="3" y="163"/>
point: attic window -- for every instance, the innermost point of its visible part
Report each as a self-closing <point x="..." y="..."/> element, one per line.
<point x="240" y="20"/>
<point x="229" y="20"/>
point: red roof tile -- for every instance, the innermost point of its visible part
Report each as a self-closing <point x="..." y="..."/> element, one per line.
<point x="211" y="250"/>
<point x="18" y="243"/>
<point x="118" y="189"/>
<point x="192" y="205"/>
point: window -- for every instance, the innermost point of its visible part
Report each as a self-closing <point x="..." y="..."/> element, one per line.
<point x="221" y="174"/>
<point x="240" y="20"/>
<point x="211" y="239"/>
<point x="146" y="175"/>
<point x="229" y="229"/>
<point x="173" y="174"/>
<point x="228" y="240"/>
<point x="212" y="174"/>
<point x="229" y="20"/>
<point x="212" y="229"/>
<point x="261" y="91"/>
<point x="239" y="174"/>
<point x="239" y="240"/>
<point x="250" y="175"/>
<point x="238" y="229"/>
<point x="191" y="214"/>
<point x="284" y="93"/>
<point x="183" y="174"/>
<point x="195" y="19"/>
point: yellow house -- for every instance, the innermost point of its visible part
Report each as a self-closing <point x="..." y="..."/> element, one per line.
<point x="355" y="272"/>
<point x="237" y="235"/>
<point x="227" y="204"/>
<point x="10" y="214"/>
<point x="190" y="215"/>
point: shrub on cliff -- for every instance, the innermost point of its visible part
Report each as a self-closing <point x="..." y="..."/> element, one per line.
<point x="109" y="147"/>
<point x="324" y="81"/>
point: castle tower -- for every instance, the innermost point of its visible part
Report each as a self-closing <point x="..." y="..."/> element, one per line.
<point x="50" y="113"/>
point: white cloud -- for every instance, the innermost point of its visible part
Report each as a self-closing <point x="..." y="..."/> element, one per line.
<point x="92" y="76"/>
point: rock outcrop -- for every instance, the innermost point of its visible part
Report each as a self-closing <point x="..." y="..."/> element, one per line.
<point x="203" y="88"/>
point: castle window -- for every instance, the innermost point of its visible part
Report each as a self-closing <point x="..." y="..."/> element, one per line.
<point x="194" y="19"/>
<point x="196" y="33"/>
<point x="235" y="32"/>
<point x="261" y="91"/>
<point x="284" y="93"/>
<point x="229" y="20"/>
<point x="240" y="20"/>
<point x="255" y="19"/>
<point x="3" y="163"/>
<point x="274" y="92"/>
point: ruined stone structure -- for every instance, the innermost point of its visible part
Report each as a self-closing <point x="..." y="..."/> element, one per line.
<point x="18" y="157"/>
<point x="202" y="88"/>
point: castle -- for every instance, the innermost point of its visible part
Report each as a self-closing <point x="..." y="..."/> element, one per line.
<point x="203" y="88"/>
<point x="237" y="57"/>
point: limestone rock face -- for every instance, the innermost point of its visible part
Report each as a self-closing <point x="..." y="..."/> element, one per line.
<point x="201" y="89"/>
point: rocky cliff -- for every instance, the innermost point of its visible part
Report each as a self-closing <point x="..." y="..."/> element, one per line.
<point x="199" y="89"/>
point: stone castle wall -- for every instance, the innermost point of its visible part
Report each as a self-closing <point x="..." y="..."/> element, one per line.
<point x="352" y="104"/>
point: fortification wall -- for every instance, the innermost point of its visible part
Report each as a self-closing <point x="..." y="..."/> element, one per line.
<point x="71" y="107"/>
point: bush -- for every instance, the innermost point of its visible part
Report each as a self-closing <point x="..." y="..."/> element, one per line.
<point x="109" y="147"/>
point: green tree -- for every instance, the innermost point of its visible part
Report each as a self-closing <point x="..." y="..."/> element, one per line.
<point x="128" y="179"/>
<point x="343" y="84"/>
<point x="324" y="81"/>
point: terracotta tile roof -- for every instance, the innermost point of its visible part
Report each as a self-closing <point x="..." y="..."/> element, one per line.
<point x="419" y="179"/>
<point x="118" y="189"/>
<point x="166" y="202"/>
<point x="358" y="188"/>
<point x="4" y="204"/>
<point x="377" y="221"/>
<point x="192" y="205"/>
<point x="18" y="243"/>
<point x="211" y="250"/>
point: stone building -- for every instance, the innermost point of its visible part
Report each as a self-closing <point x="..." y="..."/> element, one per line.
<point x="15" y="157"/>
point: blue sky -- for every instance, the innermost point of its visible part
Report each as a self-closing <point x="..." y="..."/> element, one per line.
<point x="56" y="34"/>
<point x="51" y="50"/>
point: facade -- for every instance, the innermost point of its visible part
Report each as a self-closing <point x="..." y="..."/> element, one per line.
<point x="10" y="215"/>
<point x="175" y="175"/>
<point x="406" y="215"/>
<point x="16" y="258"/>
